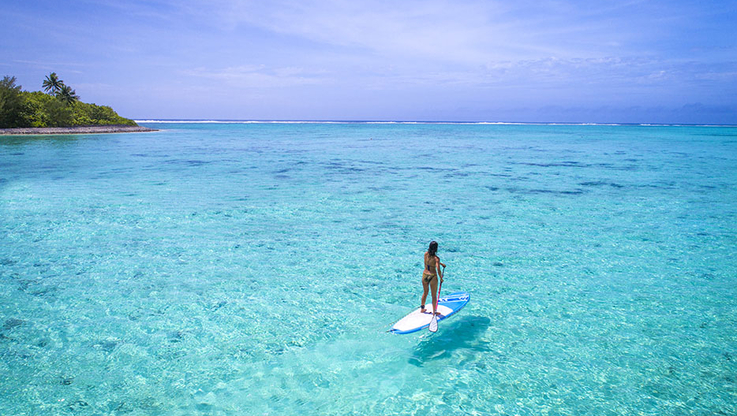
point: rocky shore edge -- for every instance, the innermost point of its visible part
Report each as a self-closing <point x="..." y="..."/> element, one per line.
<point x="75" y="130"/>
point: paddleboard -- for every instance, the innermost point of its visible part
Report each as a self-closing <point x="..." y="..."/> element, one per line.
<point x="416" y="320"/>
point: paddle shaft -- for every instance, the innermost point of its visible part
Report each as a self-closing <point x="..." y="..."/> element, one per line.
<point x="437" y="298"/>
<point x="440" y="287"/>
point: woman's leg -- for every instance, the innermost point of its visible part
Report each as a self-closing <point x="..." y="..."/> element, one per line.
<point x="425" y="288"/>
<point x="434" y="288"/>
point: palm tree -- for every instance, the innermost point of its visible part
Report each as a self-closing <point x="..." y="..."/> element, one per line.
<point x="52" y="84"/>
<point x="67" y="94"/>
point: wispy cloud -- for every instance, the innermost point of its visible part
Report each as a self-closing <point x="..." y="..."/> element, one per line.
<point x="383" y="57"/>
<point x="260" y="76"/>
<point x="466" y="32"/>
<point x="69" y="67"/>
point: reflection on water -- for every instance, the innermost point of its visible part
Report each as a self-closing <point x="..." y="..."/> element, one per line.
<point x="459" y="332"/>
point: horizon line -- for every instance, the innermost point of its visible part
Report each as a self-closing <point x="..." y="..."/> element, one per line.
<point x="410" y="122"/>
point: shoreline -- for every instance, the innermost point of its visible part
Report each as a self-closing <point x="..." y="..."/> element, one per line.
<point x="40" y="131"/>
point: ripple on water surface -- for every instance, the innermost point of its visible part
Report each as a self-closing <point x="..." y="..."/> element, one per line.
<point x="255" y="269"/>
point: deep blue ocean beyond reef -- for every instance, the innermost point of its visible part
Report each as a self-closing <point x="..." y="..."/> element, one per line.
<point x="238" y="269"/>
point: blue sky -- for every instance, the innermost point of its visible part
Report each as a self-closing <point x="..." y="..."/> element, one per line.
<point x="556" y="61"/>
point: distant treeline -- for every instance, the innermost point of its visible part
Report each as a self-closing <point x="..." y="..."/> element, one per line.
<point x="59" y="106"/>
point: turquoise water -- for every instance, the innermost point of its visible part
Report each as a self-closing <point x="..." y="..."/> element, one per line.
<point x="226" y="269"/>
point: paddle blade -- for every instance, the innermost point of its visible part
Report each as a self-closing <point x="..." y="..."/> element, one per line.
<point x="433" y="324"/>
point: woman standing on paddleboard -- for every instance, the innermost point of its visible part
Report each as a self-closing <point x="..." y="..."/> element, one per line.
<point x="430" y="276"/>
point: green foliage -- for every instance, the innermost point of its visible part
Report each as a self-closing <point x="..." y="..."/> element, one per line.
<point x="11" y="103"/>
<point x="67" y="94"/>
<point x="52" y="84"/>
<point x="43" y="110"/>
<point x="92" y="114"/>
<point x="62" y="109"/>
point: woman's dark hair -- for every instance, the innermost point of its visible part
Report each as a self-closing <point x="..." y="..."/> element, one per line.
<point x="433" y="248"/>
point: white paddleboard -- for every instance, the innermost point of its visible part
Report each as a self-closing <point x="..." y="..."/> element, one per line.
<point x="416" y="320"/>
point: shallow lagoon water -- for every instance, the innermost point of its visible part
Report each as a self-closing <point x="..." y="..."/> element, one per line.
<point x="225" y="269"/>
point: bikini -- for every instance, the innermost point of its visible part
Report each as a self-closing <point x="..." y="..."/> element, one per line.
<point x="427" y="275"/>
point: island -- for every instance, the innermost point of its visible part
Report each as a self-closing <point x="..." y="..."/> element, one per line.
<point x="56" y="110"/>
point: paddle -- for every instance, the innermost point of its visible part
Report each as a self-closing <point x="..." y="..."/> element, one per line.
<point x="434" y="323"/>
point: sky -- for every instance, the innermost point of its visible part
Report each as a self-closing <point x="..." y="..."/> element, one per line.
<point x="433" y="60"/>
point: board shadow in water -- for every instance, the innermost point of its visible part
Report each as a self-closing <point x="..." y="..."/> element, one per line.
<point x="462" y="332"/>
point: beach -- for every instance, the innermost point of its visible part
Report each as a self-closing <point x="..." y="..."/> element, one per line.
<point x="255" y="268"/>
<point x="75" y="130"/>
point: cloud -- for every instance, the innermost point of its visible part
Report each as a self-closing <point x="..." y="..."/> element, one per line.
<point x="459" y="31"/>
<point x="415" y="57"/>
<point x="464" y="32"/>
<point x="260" y="76"/>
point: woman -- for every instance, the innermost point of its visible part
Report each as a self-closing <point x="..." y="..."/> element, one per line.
<point x="430" y="277"/>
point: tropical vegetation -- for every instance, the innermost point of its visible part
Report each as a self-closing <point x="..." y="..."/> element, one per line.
<point x="57" y="106"/>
